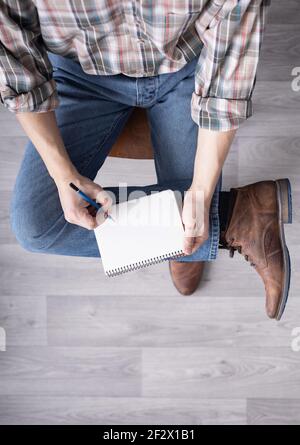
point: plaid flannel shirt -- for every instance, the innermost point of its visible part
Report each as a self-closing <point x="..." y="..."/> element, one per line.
<point x="137" y="38"/>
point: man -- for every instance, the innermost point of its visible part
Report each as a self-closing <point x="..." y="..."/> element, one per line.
<point x="192" y="65"/>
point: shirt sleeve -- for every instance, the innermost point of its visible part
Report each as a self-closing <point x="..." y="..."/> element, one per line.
<point x="26" y="82"/>
<point x="226" y="70"/>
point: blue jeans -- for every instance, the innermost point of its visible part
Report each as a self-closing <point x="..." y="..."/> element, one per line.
<point x="92" y="113"/>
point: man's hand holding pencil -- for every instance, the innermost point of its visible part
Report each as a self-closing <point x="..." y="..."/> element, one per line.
<point x="79" y="201"/>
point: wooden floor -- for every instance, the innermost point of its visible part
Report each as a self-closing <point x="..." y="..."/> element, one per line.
<point x="85" y="349"/>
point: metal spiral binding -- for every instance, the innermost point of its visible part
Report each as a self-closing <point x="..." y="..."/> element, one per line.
<point x="144" y="263"/>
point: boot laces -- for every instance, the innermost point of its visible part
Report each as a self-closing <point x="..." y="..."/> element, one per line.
<point x="232" y="248"/>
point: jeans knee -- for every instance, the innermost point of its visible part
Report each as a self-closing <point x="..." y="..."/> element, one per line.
<point x="27" y="230"/>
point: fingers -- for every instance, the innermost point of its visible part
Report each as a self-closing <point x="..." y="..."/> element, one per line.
<point x="96" y="192"/>
<point x="87" y="221"/>
<point x="91" y="219"/>
<point x="188" y="245"/>
<point x="194" y="235"/>
<point x="81" y="217"/>
<point x="195" y="221"/>
<point x="76" y="208"/>
<point x="101" y="216"/>
<point x="191" y="244"/>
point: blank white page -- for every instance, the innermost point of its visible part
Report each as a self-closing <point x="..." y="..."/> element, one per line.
<point x="141" y="232"/>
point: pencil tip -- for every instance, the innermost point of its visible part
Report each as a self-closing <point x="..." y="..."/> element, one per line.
<point x="73" y="186"/>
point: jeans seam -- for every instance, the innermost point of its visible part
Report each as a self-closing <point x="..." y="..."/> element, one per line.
<point x="215" y="236"/>
<point x="137" y="91"/>
<point x="102" y="143"/>
<point x="215" y="224"/>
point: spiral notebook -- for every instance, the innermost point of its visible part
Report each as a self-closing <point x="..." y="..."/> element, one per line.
<point x="141" y="232"/>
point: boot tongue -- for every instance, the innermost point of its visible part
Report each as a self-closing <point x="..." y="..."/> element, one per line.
<point x="228" y="210"/>
<point x="222" y="241"/>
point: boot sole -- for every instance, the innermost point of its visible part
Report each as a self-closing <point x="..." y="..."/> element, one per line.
<point x="284" y="201"/>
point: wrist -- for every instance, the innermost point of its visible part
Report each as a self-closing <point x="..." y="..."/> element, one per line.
<point x="207" y="191"/>
<point x="58" y="163"/>
<point x="65" y="174"/>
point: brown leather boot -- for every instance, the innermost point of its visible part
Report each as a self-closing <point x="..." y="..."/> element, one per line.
<point x="255" y="229"/>
<point x="186" y="276"/>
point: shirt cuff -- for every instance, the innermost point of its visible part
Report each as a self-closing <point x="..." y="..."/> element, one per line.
<point x="217" y="114"/>
<point x="41" y="99"/>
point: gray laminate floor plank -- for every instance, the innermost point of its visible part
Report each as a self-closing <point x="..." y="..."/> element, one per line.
<point x="287" y="12"/>
<point x="24" y="318"/>
<point x="56" y="275"/>
<point x="166" y="322"/>
<point x="121" y="411"/>
<point x="217" y="372"/>
<point x="273" y="411"/>
<point x="89" y="371"/>
<point x="280" y="50"/>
